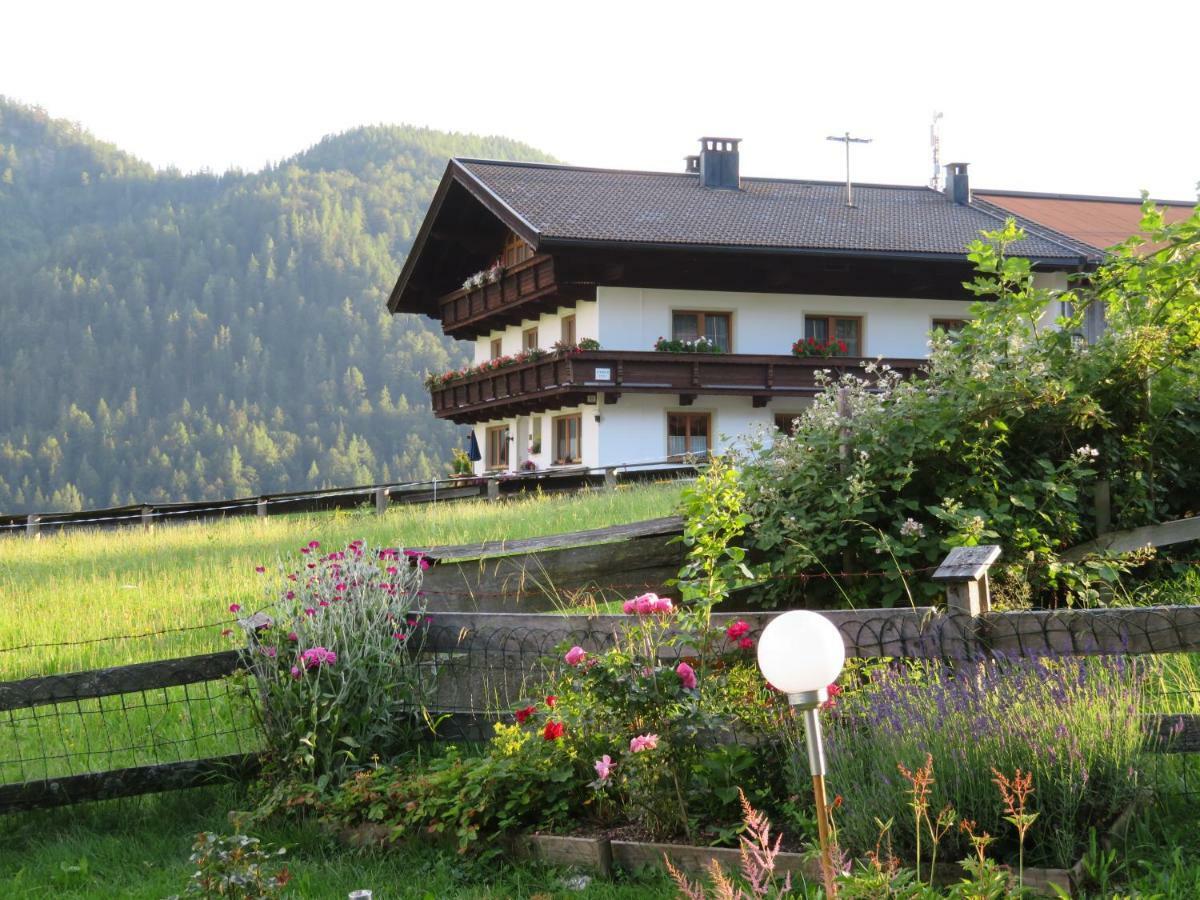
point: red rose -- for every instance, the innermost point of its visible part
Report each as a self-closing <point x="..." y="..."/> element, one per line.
<point x="524" y="714"/>
<point x="737" y="629"/>
<point x="746" y="643"/>
<point x="551" y="700"/>
<point x="553" y="731"/>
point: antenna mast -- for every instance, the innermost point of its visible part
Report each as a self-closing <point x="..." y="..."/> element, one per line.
<point x="847" y="140"/>
<point x="935" y="144"/>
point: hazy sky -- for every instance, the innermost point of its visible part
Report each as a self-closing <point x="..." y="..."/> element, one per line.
<point x="1078" y="97"/>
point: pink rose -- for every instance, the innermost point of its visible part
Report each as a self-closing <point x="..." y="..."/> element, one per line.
<point x="575" y="656"/>
<point x="643" y="742"/>
<point x="687" y="675"/>
<point x="604" y="767"/>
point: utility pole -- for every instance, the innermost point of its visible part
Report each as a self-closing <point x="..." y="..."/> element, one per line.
<point x="847" y="140"/>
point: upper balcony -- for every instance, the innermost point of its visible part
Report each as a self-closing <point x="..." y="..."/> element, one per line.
<point x="523" y="291"/>
<point x="559" y="380"/>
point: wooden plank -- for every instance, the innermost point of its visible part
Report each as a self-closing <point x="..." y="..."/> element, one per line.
<point x="967" y="563"/>
<point x="126" y="782"/>
<point x="669" y="525"/>
<point x="1178" y="532"/>
<point x="118" y="680"/>
<point x="1093" y="632"/>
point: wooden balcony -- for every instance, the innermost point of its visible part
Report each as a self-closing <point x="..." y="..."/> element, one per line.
<point x="569" y="380"/>
<point x="524" y="291"/>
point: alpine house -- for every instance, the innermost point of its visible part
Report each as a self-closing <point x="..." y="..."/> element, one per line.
<point x="567" y="279"/>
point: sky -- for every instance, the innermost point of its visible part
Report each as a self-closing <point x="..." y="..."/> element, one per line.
<point x="1075" y="97"/>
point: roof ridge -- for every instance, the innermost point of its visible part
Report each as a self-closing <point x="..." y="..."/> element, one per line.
<point x="1089" y="198"/>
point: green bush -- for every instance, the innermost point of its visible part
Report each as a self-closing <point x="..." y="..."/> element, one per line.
<point x="1000" y="441"/>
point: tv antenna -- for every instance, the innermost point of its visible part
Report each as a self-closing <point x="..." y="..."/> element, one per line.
<point x="935" y="144"/>
<point x="847" y="140"/>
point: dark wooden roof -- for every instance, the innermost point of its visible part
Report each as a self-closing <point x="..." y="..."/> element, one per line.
<point x="556" y="207"/>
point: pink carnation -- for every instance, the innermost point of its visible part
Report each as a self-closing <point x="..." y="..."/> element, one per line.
<point x="687" y="675"/>
<point x="643" y="742"/>
<point x="318" y="656"/>
<point x="575" y="656"/>
<point x="295" y="671"/>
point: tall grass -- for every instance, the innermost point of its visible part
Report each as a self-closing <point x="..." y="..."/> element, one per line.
<point x="88" y="583"/>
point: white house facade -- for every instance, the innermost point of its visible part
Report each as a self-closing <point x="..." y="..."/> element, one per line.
<point x="566" y="279"/>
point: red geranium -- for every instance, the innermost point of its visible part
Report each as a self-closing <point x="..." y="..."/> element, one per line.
<point x="524" y="714"/>
<point x="553" y="731"/>
<point x="551" y="700"/>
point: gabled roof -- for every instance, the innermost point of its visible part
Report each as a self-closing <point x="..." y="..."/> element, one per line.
<point x="555" y="206"/>
<point x="1096" y="222"/>
<point x="564" y="204"/>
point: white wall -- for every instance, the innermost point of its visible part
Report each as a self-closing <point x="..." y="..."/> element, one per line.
<point x="521" y="430"/>
<point x="549" y="327"/>
<point x="634" y="318"/>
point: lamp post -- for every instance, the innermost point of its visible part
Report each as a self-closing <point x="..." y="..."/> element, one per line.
<point x="801" y="653"/>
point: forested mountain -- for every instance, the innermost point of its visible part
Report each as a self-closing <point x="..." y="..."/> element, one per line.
<point x="167" y="336"/>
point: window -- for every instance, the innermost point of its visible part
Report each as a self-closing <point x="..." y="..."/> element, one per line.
<point x="717" y="327"/>
<point x="950" y="326"/>
<point x="688" y="433"/>
<point x="515" y="251"/>
<point x="786" y="422"/>
<point x="568" y="330"/>
<point x="535" y="435"/>
<point x="847" y="329"/>
<point x="567" y="447"/>
<point x="497" y="348"/>
<point x="529" y="339"/>
<point x="497" y="447"/>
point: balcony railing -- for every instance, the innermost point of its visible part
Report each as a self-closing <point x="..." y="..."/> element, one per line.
<point x="570" y="379"/>
<point x="522" y="292"/>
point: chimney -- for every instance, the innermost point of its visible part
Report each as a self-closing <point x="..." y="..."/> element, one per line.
<point x="958" y="186"/>
<point x="691" y="165"/>
<point x="719" y="163"/>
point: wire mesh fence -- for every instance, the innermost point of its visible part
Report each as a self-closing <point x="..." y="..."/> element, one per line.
<point x="62" y="737"/>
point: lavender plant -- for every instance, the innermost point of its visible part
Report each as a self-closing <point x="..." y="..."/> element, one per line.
<point x="1073" y="726"/>
<point x="334" y="660"/>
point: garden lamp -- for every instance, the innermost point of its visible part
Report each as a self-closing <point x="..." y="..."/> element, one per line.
<point x="801" y="653"/>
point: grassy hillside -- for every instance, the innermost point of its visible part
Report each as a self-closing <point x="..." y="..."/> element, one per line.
<point x="88" y="584"/>
<point x="171" y="336"/>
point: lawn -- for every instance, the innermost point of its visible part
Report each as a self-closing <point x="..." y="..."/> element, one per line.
<point x="139" y="848"/>
<point x="88" y="583"/>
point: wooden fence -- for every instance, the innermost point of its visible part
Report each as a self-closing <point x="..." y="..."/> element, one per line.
<point x="487" y="661"/>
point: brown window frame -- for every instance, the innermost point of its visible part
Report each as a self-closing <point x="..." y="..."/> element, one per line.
<point x="830" y="327"/>
<point x="556" y="423"/>
<point x="497" y="447"/>
<point x="701" y="315"/>
<point x="944" y="323"/>
<point x="568" y="330"/>
<point x="497" y="348"/>
<point x="689" y="415"/>
<point x="526" y="344"/>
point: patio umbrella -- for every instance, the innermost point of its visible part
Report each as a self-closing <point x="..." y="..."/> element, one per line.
<point x="473" y="453"/>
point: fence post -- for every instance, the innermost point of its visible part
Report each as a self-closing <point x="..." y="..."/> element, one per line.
<point x="610" y="479"/>
<point x="964" y="572"/>
<point x="493" y="489"/>
<point x="147" y="517"/>
<point x="33" y="526"/>
<point x="260" y="508"/>
<point x="382" y="498"/>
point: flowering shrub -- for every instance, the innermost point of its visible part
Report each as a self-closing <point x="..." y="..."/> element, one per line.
<point x="581" y="345"/>
<point x="1001" y="441"/>
<point x="485" y="276"/>
<point x="532" y="354"/>
<point x="813" y="347"/>
<point x="699" y="345"/>
<point x="333" y="659"/>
